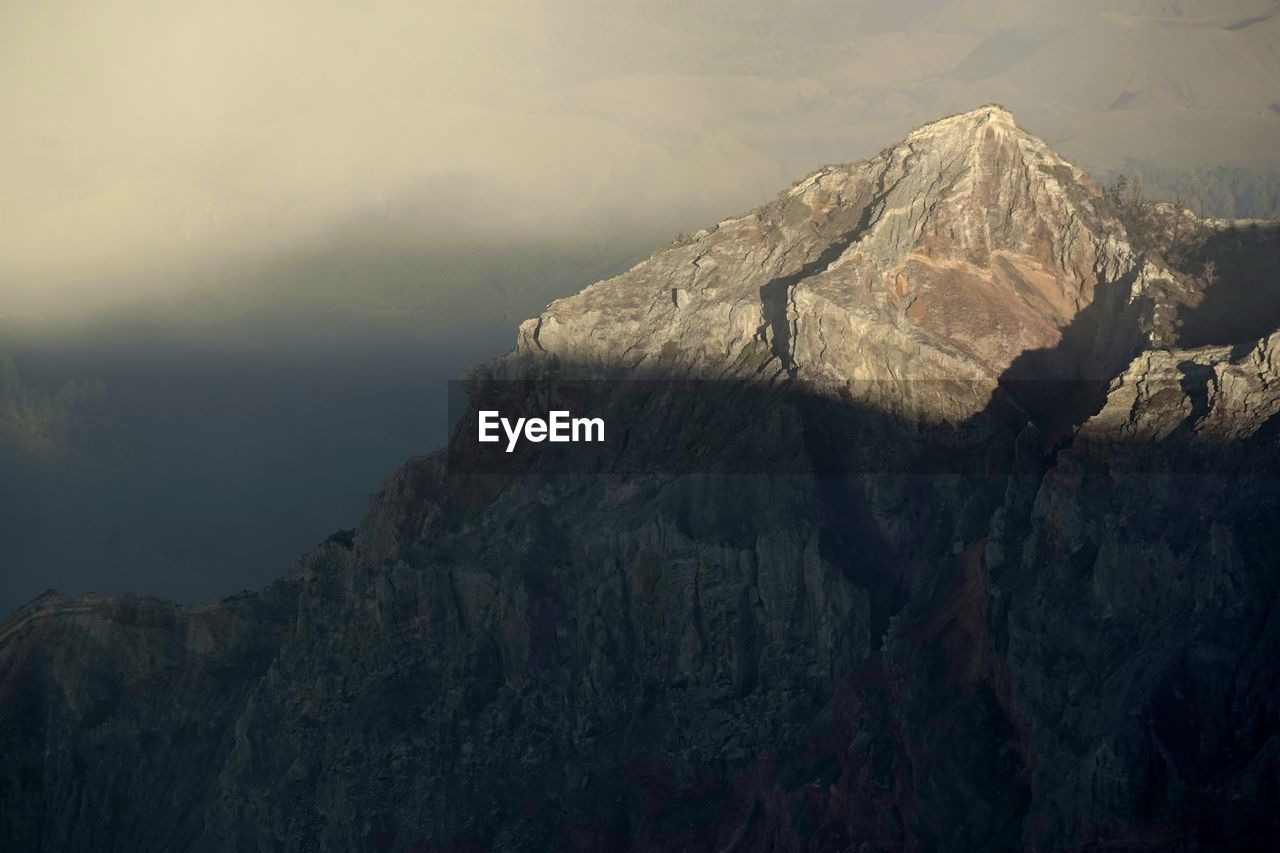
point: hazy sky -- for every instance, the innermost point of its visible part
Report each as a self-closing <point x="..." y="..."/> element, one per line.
<point x="145" y="144"/>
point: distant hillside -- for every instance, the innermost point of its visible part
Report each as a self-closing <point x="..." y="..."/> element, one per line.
<point x="1221" y="192"/>
<point x="64" y="417"/>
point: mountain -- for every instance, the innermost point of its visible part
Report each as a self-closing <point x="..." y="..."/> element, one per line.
<point x="948" y="256"/>
<point x="919" y="526"/>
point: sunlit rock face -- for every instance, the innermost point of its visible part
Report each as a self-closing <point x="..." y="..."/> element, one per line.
<point x="1070" y="648"/>
<point x="1210" y="395"/>
<point x="943" y="259"/>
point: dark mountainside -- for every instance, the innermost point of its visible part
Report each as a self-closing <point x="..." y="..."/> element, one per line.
<point x="1008" y="580"/>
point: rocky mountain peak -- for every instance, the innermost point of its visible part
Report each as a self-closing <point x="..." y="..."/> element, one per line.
<point x="944" y="258"/>
<point x="975" y="184"/>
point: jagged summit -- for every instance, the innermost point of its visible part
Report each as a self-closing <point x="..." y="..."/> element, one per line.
<point x="961" y="133"/>
<point x="992" y="113"/>
<point x="947" y="256"/>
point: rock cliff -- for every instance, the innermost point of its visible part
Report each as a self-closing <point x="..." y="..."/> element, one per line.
<point x="1075" y="648"/>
